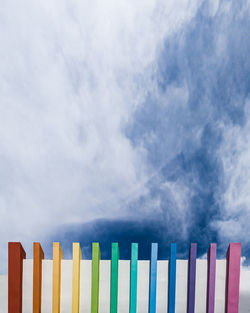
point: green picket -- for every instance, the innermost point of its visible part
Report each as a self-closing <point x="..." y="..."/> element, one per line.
<point x="133" y="277"/>
<point x="96" y="255"/>
<point x="114" y="277"/>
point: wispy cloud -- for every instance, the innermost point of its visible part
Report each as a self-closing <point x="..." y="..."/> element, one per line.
<point x="234" y="196"/>
<point x="194" y="122"/>
<point x="126" y="112"/>
<point x="72" y="74"/>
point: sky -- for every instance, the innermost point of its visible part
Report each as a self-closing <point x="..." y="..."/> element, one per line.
<point x="125" y="121"/>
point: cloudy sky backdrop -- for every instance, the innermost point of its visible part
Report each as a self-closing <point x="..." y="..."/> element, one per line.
<point x="124" y="121"/>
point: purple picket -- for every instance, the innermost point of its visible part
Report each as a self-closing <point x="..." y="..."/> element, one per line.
<point x="191" y="278"/>
<point x="211" y="263"/>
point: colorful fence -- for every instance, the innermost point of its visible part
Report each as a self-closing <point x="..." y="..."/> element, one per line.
<point x="119" y="286"/>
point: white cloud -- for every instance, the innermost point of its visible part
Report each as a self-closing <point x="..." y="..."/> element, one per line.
<point x="68" y="85"/>
<point x="235" y="198"/>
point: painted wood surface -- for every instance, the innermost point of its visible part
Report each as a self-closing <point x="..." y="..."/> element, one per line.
<point x="143" y="278"/>
<point x="124" y="286"/>
<point x="233" y="278"/>
<point x="28" y="286"/>
<point x="215" y="283"/>
<point x="47" y="285"/>
<point x="133" y="277"/>
<point x="191" y="278"/>
<point x="96" y="255"/>
<point x="153" y="278"/>
<point x="77" y="256"/>
<point x="56" y="292"/>
<point x="114" y="277"/>
<point x="38" y="256"/>
<point x="211" y="262"/>
<point x="66" y="286"/>
<point x="16" y="255"/>
<point x="85" y="286"/>
<point x="161" y="285"/>
<point x="104" y="286"/>
<point x="220" y="286"/>
<point x="201" y="286"/>
<point x="172" y="278"/>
